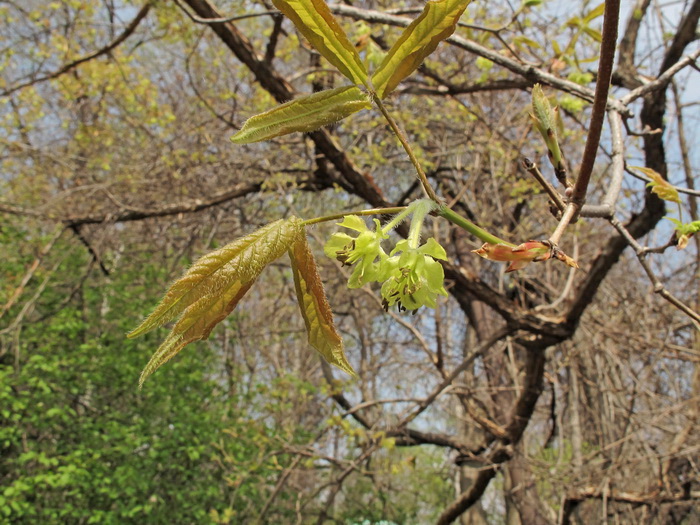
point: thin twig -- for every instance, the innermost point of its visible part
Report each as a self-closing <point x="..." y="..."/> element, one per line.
<point x="478" y="351"/>
<point x="525" y="70"/>
<point x="659" y="288"/>
<point x="223" y="20"/>
<point x="687" y="191"/>
<point x="605" y="67"/>
<point x="75" y="63"/>
<point x="661" y="81"/>
<point x="533" y="170"/>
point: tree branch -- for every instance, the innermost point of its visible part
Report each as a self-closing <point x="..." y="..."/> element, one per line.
<point x="128" y="31"/>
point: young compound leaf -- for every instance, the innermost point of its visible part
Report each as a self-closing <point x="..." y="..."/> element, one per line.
<point x="214" y="285"/>
<point x="437" y="22"/>
<point x="314" y="20"/>
<point x="315" y="309"/>
<point x="303" y="114"/>
<point x="196" y="323"/>
<point x="659" y="185"/>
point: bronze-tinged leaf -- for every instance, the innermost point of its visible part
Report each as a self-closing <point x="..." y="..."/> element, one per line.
<point x="213" y="286"/>
<point x="315" y="309"/>
<point x="314" y="20"/>
<point x="240" y="261"/>
<point x="306" y="113"/>
<point x="437" y="22"/>
<point x="196" y="324"/>
<point x="659" y="185"/>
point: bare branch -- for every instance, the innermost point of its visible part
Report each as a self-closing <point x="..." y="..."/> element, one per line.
<point x="128" y="31"/>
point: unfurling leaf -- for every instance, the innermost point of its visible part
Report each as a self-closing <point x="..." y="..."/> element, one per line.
<point x="684" y="231"/>
<point x="303" y="114"/>
<point x="213" y="286"/>
<point x="522" y="255"/>
<point x="546" y="122"/>
<point x="436" y="23"/>
<point x="518" y="256"/>
<point x="659" y="185"/>
<point x="315" y="309"/>
<point x="314" y="20"/>
<point x="195" y="324"/>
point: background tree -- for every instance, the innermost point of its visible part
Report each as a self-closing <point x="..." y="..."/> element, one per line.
<point x="547" y="395"/>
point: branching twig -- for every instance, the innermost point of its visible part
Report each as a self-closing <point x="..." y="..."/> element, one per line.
<point x="605" y="67"/>
<point x="223" y="20"/>
<point x="659" y="288"/>
<point x="533" y="170"/>
<point x="663" y="79"/>
<point x="128" y="31"/>
<point x="527" y="71"/>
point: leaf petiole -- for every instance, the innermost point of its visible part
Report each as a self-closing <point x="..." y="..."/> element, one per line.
<point x="455" y="218"/>
<point x="336" y="216"/>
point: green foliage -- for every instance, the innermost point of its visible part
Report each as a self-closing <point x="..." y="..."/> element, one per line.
<point x="684" y="231"/>
<point x="436" y="23"/>
<point x="314" y="20"/>
<point x="659" y="185"/>
<point x="545" y="119"/>
<point x="303" y="114"/>
<point x="318" y="318"/>
<point x="78" y="442"/>
<point x="411" y="275"/>
<point x="406" y="485"/>
<point x="214" y="286"/>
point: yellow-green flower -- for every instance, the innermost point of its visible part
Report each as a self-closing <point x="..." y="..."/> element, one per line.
<point x="365" y="250"/>
<point x="414" y="278"/>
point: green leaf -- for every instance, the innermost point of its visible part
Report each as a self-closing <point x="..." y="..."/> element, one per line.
<point x="315" y="309"/>
<point x="594" y="34"/>
<point x="213" y="286"/>
<point x="684" y="231"/>
<point x="314" y="20"/>
<point x="303" y="114"/>
<point x="437" y="22"/>
<point x="595" y="13"/>
<point x="523" y="40"/>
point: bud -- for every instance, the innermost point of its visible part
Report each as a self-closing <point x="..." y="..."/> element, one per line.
<point x="546" y="121"/>
<point x="518" y="256"/>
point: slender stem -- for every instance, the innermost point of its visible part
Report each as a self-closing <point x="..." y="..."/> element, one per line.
<point x="394" y="222"/>
<point x="454" y="218"/>
<point x="659" y="288"/>
<point x="569" y="212"/>
<point x="407" y="148"/>
<point x="605" y="67"/>
<point x="420" y="210"/>
<point x="533" y="170"/>
<point x="602" y="88"/>
<point x="335" y="216"/>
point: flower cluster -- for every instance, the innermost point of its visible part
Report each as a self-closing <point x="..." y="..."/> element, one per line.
<point x="415" y="278"/>
<point x="365" y="250"/>
<point x="411" y="274"/>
